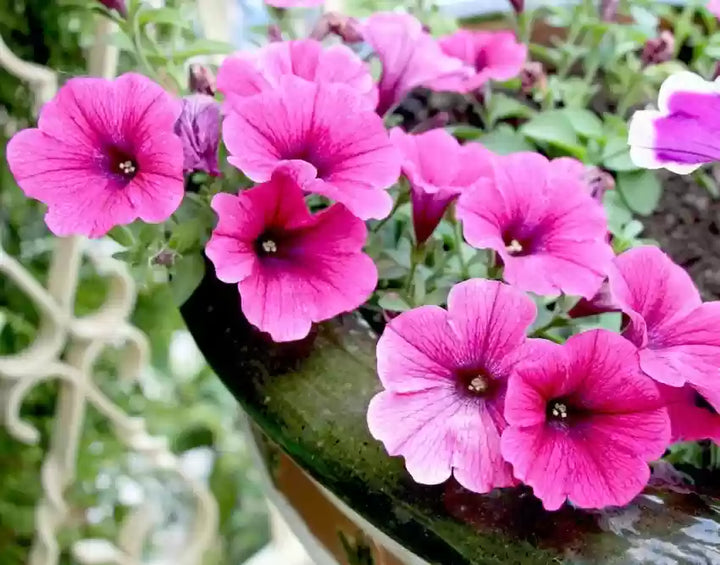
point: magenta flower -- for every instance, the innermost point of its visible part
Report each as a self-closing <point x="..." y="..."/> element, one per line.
<point x="682" y="134"/>
<point x="494" y="55"/>
<point x="548" y="231"/>
<point x="119" y="5"/>
<point x="322" y="128"/>
<point x="292" y="268"/>
<point x="245" y="74"/>
<point x="104" y="153"/>
<point x="676" y="333"/>
<point x="438" y="168"/>
<point x="445" y="375"/>
<point x="692" y="417"/>
<point x="410" y="57"/>
<point x="583" y="421"/>
<point x="199" y="129"/>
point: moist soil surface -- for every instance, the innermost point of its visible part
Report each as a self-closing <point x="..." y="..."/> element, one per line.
<point x="687" y="227"/>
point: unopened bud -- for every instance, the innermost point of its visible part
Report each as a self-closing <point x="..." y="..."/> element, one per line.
<point x="333" y="23"/>
<point x="658" y="49"/>
<point x="518" y="5"/>
<point x="532" y="76"/>
<point x="598" y="182"/>
<point x="201" y="80"/>
<point x="118" y="5"/>
<point x="274" y="33"/>
<point x="608" y="10"/>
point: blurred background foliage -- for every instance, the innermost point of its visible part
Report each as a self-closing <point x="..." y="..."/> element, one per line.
<point x="178" y="396"/>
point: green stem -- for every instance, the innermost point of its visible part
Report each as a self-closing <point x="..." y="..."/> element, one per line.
<point x="133" y="30"/>
<point x="627" y="99"/>
<point x="457" y="232"/>
<point x="417" y="256"/>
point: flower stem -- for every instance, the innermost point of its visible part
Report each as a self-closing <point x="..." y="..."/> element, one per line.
<point x="457" y="232"/>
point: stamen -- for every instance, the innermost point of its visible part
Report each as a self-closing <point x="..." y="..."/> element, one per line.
<point x="514" y="247"/>
<point x="477" y="385"/>
<point x="269" y="246"/>
<point x="127" y="167"/>
<point x="559" y="410"/>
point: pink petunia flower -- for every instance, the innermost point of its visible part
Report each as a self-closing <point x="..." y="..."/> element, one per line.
<point x="676" y="333"/>
<point x="548" y="231"/>
<point x="292" y="268"/>
<point x="691" y="416"/>
<point x="682" y="135"/>
<point x="104" y="153"/>
<point x="247" y="74"/>
<point x="584" y="421"/>
<point x="410" y="57"/>
<point x="494" y="55"/>
<point x="322" y="128"/>
<point x="438" y="168"/>
<point x="294" y="3"/>
<point x="199" y="129"/>
<point x="445" y="375"/>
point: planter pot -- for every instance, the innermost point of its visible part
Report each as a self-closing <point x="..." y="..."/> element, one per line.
<point x="309" y="400"/>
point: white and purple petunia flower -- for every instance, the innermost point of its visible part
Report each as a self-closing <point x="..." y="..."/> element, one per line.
<point x="682" y="134"/>
<point x="246" y="74"/>
<point x="445" y="374"/>
<point x="547" y="230"/>
<point x="292" y="268"/>
<point x="104" y="154"/>
<point x="583" y="421"/>
<point x="410" y="57"/>
<point x="676" y="333"/>
<point x="438" y="169"/>
<point x="323" y="130"/>
<point x="199" y="129"/>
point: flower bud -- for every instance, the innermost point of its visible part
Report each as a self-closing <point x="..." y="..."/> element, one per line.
<point x="274" y="33"/>
<point x="333" y="23"/>
<point x="608" y="10"/>
<point x="598" y="182"/>
<point x="659" y="49"/>
<point x="118" y="5"/>
<point x="532" y="76"/>
<point x="518" y="5"/>
<point x="199" y="128"/>
<point x="201" y="80"/>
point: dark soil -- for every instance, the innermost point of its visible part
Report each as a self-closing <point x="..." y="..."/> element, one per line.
<point x="687" y="227"/>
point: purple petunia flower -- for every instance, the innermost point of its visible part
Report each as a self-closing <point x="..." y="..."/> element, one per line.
<point x="199" y="129"/>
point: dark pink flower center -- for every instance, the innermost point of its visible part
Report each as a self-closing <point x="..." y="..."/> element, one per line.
<point x="518" y="246"/>
<point x="481" y="60"/>
<point x="476" y="382"/>
<point x="562" y="412"/>
<point x="122" y="164"/>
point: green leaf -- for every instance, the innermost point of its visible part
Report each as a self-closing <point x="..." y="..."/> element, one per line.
<point x="394" y="302"/>
<point x="585" y="123"/>
<point x="122" y="235"/>
<point x="641" y="190"/>
<point x="188" y="235"/>
<point x="616" y="156"/>
<point x="618" y="213"/>
<point x="505" y="140"/>
<point x="465" y="132"/>
<point x="187" y="272"/>
<point x="502" y="107"/>
<point x="169" y="16"/>
<point x="554" y="128"/>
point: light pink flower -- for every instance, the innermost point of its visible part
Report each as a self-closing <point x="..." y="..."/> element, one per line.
<point x="249" y="73"/>
<point x="292" y="268"/>
<point x="199" y="129"/>
<point x="445" y="375"/>
<point x="494" y="55"/>
<point x="583" y="421"/>
<point x="676" y="333"/>
<point x="714" y="7"/>
<point x="294" y="3"/>
<point x="323" y="128"/>
<point x="682" y="135"/>
<point x="548" y="231"/>
<point x="104" y="153"/>
<point x="410" y="57"/>
<point x="438" y="169"/>
<point x="691" y="416"/>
